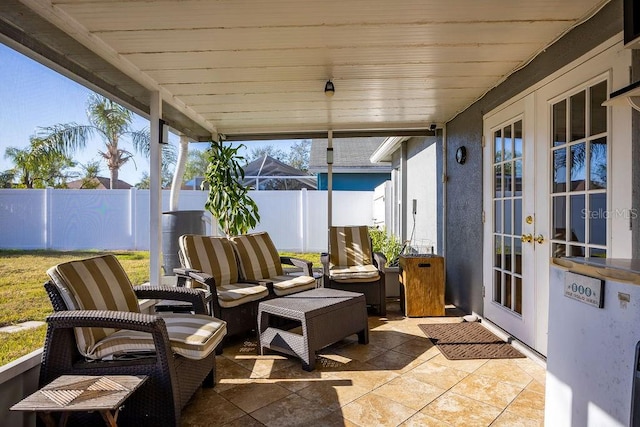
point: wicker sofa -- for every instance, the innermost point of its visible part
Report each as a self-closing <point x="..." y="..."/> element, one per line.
<point x="243" y="270"/>
<point x="88" y="335"/>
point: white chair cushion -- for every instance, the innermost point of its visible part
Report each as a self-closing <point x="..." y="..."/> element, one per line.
<point x="235" y="294"/>
<point x="363" y="273"/>
<point x="290" y="284"/>
<point x="191" y="336"/>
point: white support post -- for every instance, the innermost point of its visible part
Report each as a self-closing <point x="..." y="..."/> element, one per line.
<point x="155" y="189"/>
<point x="329" y="184"/>
<point x="176" y="184"/>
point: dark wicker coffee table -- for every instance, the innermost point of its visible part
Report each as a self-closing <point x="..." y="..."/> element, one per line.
<point x="325" y="315"/>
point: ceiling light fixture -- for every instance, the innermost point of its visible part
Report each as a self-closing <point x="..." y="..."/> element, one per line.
<point x="329" y="89"/>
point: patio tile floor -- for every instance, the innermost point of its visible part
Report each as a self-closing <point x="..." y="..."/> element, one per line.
<point x="398" y="379"/>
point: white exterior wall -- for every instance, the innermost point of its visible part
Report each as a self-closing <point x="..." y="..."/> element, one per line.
<point x="119" y="219"/>
<point x="422" y="185"/>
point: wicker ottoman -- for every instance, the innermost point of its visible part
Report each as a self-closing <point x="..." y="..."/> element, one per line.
<point x="326" y="316"/>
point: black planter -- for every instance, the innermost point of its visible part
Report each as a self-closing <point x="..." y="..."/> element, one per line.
<point x="174" y="225"/>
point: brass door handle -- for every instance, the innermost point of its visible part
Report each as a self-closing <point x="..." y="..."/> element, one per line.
<point x="539" y="238"/>
<point x="527" y="238"/>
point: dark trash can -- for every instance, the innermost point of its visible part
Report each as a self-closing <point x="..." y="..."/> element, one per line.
<point x="174" y="225"/>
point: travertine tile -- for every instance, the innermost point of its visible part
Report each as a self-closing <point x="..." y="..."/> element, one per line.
<point x="410" y="392"/>
<point x="293" y="410"/>
<point x="332" y="394"/>
<point x="441" y="376"/>
<point x="393" y="361"/>
<point x="360" y="352"/>
<point x="294" y="378"/>
<point x="208" y="408"/>
<point x="506" y="371"/>
<point x="460" y="410"/>
<point x="250" y="397"/>
<point x="229" y="374"/>
<point x="387" y="339"/>
<point x="528" y="404"/>
<point x="509" y="419"/>
<point x="263" y="366"/>
<point x="488" y="390"/>
<point x="469" y="365"/>
<point x="422" y="420"/>
<point x="363" y="375"/>
<point x="373" y="410"/>
<point x="420" y="348"/>
<point x="246" y="421"/>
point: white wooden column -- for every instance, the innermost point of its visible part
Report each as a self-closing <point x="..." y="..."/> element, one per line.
<point x="155" y="189"/>
<point x="330" y="184"/>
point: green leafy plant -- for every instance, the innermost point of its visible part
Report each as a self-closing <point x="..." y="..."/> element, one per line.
<point x="228" y="199"/>
<point x="387" y="244"/>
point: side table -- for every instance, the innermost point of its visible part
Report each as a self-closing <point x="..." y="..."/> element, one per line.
<point x="81" y="393"/>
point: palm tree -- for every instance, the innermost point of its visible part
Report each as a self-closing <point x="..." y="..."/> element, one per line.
<point x="112" y="122"/>
<point x="37" y="165"/>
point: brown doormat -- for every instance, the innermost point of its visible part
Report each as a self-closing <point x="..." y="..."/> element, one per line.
<point x="468" y="340"/>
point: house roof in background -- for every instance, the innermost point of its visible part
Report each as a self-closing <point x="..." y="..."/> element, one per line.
<point x="103" y="184"/>
<point x="350" y="155"/>
<point x="267" y="166"/>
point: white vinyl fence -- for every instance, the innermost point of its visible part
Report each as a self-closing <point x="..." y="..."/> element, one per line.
<point x="119" y="219"/>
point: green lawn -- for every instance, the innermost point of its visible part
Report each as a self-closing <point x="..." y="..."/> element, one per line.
<point x="22" y="296"/>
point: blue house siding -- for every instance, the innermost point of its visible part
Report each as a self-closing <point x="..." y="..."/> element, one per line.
<point x="353" y="181"/>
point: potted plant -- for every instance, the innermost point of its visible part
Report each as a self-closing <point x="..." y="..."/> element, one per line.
<point x="389" y="245"/>
<point x="228" y="199"/>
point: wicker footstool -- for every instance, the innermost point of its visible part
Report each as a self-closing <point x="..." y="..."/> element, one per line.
<point x="326" y="316"/>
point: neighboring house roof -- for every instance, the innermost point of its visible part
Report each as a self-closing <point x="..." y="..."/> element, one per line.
<point x="267" y="166"/>
<point x="103" y="184"/>
<point x="350" y="155"/>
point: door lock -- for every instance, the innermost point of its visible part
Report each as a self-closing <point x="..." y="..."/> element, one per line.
<point x="527" y="238"/>
<point x="539" y="238"/>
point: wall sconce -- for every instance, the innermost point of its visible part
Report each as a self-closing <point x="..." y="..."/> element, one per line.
<point x="329" y="89"/>
<point x="329" y="155"/>
<point x="163" y="134"/>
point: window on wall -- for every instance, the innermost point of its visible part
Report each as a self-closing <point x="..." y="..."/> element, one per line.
<point x="579" y="173"/>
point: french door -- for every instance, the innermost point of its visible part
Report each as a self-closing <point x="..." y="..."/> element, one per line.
<point x="513" y="230"/>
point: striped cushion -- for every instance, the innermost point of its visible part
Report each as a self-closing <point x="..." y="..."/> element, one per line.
<point x="216" y="256"/>
<point x="98" y="283"/>
<point x="191" y="336"/>
<point x="350" y="246"/>
<point x="258" y="256"/>
<point x="356" y="273"/>
<point x="286" y="284"/>
<point x="211" y="255"/>
<point x="235" y="294"/>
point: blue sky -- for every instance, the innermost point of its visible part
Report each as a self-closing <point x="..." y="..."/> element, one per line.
<point x="32" y="96"/>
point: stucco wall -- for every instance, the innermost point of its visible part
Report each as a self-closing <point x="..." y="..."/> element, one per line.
<point x="463" y="232"/>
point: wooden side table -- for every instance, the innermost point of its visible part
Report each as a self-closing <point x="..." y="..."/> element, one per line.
<point x="422" y="285"/>
<point x="81" y="393"/>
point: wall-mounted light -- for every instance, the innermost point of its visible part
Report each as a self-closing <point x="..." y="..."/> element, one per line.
<point x="329" y="89"/>
<point x="329" y="155"/>
<point x="163" y="134"/>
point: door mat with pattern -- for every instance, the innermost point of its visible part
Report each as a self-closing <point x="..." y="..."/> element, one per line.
<point x="468" y="340"/>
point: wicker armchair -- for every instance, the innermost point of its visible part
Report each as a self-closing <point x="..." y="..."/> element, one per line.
<point x="98" y="330"/>
<point x="351" y="265"/>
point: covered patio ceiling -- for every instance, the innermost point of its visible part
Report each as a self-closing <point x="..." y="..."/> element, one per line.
<point x="251" y="69"/>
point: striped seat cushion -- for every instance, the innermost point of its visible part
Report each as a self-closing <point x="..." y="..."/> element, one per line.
<point x="98" y="283"/>
<point x="350" y="246"/>
<point x="259" y="258"/>
<point x="355" y="273"/>
<point x="216" y="256"/>
<point x="289" y="284"/>
<point x="191" y="336"/>
<point x="211" y="255"/>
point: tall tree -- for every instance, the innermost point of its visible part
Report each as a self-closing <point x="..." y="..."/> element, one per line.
<point x="269" y="150"/>
<point x="196" y="166"/>
<point x="112" y="123"/>
<point x="38" y="165"/>
<point x="299" y="155"/>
